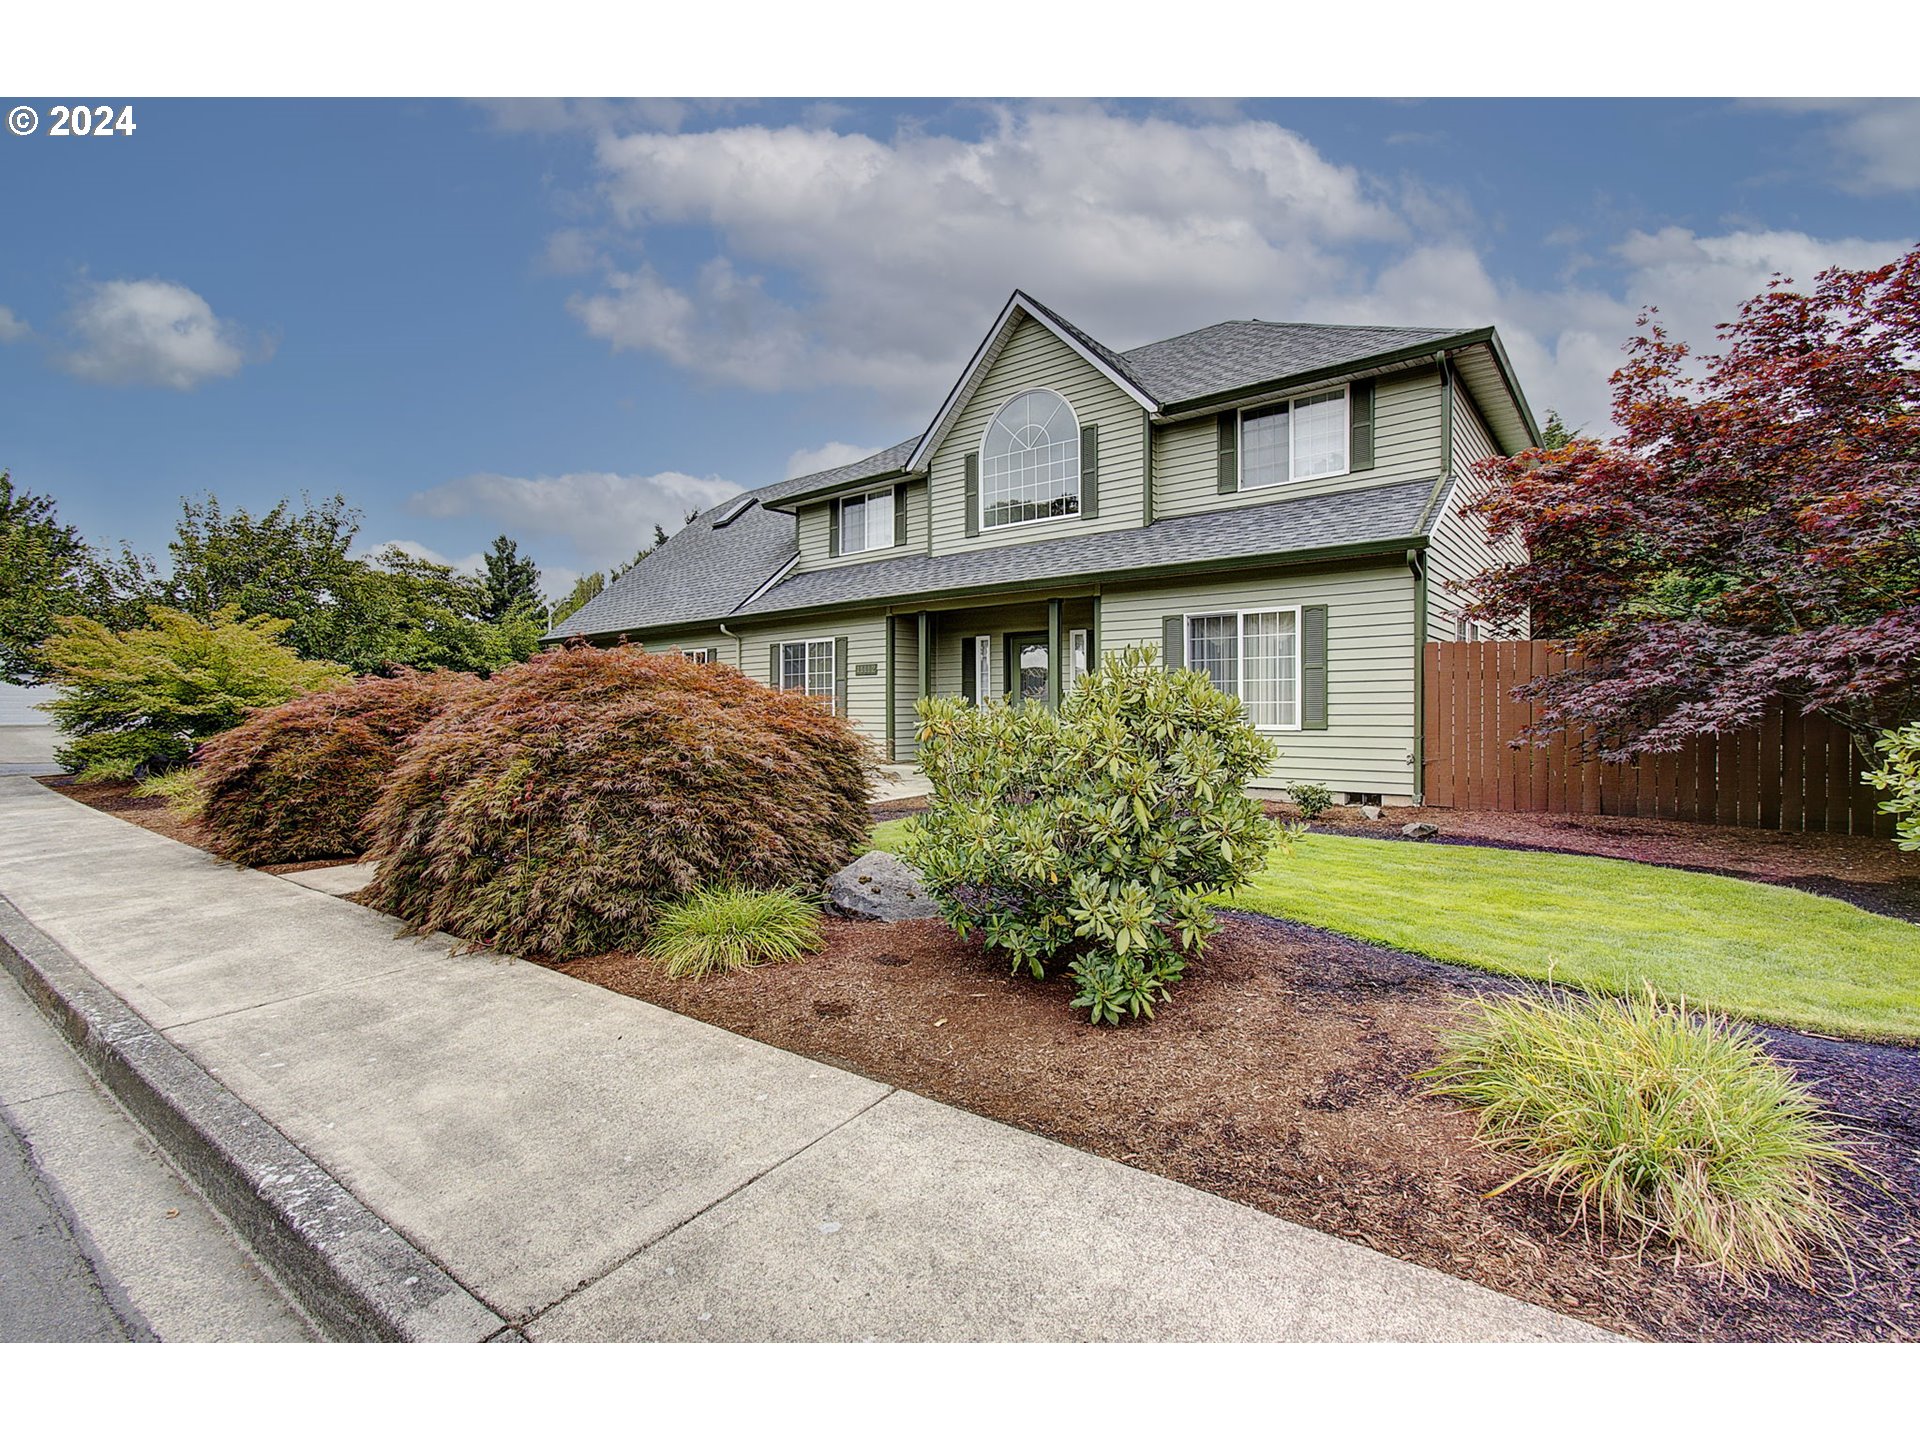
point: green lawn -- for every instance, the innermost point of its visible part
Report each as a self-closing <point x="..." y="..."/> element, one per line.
<point x="1760" y="951"/>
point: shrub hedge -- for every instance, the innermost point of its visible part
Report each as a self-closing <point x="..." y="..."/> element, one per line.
<point x="557" y="809"/>
<point x="297" y="781"/>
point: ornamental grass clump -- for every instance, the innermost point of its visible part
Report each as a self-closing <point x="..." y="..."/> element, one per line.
<point x="1659" y="1123"/>
<point x="559" y="809"/>
<point x="1092" y="836"/>
<point x="730" y="927"/>
<point x="297" y="781"/>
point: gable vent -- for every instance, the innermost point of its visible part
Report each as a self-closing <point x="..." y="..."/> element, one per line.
<point x="731" y="511"/>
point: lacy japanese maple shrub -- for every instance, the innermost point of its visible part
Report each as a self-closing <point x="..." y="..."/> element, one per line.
<point x="557" y="810"/>
<point x="297" y="781"/>
<point x="1092" y="836"/>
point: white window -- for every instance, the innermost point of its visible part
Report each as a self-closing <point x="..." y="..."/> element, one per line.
<point x="808" y="665"/>
<point x="1294" y="440"/>
<point x="701" y="656"/>
<point x="1254" y="654"/>
<point x="866" y="522"/>
<point x="1030" y="461"/>
<point x="982" y="669"/>
<point x="1077" y="657"/>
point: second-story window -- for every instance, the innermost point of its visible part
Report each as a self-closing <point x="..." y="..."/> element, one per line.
<point x="866" y="522"/>
<point x="1294" y="440"/>
<point x="1030" y="461"/>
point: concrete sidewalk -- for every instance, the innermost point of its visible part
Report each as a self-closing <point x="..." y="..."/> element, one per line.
<point x="585" y="1166"/>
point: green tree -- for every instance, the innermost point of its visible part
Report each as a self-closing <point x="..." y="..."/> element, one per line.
<point x="422" y="614"/>
<point x="1556" y="432"/>
<point x="512" y="582"/>
<point x="584" y="589"/>
<point x="148" y="696"/>
<point x="47" y="570"/>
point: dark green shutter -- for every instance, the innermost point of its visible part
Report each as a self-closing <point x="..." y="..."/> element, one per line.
<point x="840" y="675"/>
<point x="1313" y="667"/>
<point x="833" y="528"/>
<point x="973" y="492"/>
<point x="1090" y="471"/>
<point x="773" y="665"/>
<point x="899" y="514"/>
<point x="1173" y="642"/>
<point x="1360" y="426"/>
<point x="969" y="666"/>
<point x="1227" y="453"/>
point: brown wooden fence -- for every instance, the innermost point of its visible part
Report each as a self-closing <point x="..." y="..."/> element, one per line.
<point x="1790" y="773"/>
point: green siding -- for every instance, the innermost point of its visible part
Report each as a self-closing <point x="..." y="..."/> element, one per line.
<point x="815" y="532"/>
<point x="1034" y="356"/>
<point x="1370" y="665"/>
<point x="1406" y="445"/>
<point x="1460" y="550"/>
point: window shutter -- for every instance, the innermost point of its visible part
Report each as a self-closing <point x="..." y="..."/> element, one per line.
<point x="1360" y="426"/>
<point x="899" y="514"/>
<point x="1173" y="642"/>
<point x="840" y="675"/>
<point x="973" y="492"/>
<point x="969" y="669"/>
<point x="1313" y="667"/>
<point x="773" y="665"/>
<point x="1090" y="471"/>
<point x="833" y="529"/>
<point x="1227" y="453"/>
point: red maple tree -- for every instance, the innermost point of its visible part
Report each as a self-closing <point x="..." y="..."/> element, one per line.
<point x="1750" y="537"/>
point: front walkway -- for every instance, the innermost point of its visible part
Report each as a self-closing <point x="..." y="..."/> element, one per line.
<point x="594" y="1168"/>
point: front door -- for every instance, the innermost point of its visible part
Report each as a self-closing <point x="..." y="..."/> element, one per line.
<point x="1027" y="668"/>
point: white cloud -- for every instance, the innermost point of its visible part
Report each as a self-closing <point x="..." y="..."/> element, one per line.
<point x="150" y="332"/>
<point x="826" y="457"/>
<point x="1876" y="142"/>
<point x="877" y="263"/>
<point x="466" y="564"/>
<point x="12" y="327"/>
<point x="849" y="260"/>
<point x="605" y="517"/>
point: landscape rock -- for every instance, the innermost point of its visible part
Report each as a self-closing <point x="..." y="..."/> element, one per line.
<point x="879" y="886"/>
<point x="1419" y="830"/>
<point x="1371" y="812"/>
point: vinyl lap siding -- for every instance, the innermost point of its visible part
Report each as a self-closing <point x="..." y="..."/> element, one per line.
<point x="1035" y="356"/>
<point x="1370" y="666"/>
<point x="814" y="523"/>
<point x="1406" y="445"/>
<point x="1460" y="550"/>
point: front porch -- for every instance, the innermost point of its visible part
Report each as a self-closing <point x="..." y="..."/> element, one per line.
<point x="1027" y="652"/>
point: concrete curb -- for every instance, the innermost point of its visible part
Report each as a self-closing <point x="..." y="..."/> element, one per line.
<point x="357" y="1277"/>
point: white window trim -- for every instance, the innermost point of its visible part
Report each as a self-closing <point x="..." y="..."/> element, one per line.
<point x="1240" y="441"/>
<point x="982" y="669"/>
<point x="1078" y="630"/>
<point x="832" y="693"/>
<point x="838" y="512"/>
<point x="980" y="499"/>
<point x="702" y="654"/>
<point x="1240" y="655"/>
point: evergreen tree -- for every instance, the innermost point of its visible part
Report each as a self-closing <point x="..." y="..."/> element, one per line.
<point x="512" y="583"/>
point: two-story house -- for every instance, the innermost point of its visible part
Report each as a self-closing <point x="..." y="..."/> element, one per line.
<point x="1279" y="505"/>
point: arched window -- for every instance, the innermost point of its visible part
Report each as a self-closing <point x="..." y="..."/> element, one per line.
<point x="1030" y="461"/>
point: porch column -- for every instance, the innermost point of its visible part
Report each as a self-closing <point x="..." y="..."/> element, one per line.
<point x="924" y="653"/>
<point x="1055" y="657"/>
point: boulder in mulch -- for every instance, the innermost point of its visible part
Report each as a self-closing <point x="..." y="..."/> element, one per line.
<point x="879" y="886"/>
<point x="1419" y="830"/>
<point x="1370" y="812"/>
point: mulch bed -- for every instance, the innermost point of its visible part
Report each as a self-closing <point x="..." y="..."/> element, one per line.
<point x="1280" y="1075"/>
<point x="115" y="797"/>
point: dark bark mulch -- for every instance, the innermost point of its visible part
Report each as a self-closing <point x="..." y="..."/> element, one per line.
<point x="1280" y="1076"/>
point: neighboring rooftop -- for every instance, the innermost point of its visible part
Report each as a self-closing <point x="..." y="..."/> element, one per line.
<point x="726" y="561"/>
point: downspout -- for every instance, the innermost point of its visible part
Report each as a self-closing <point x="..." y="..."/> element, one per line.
<point x="738" y="659"/>
<point x="1416" y="562"/>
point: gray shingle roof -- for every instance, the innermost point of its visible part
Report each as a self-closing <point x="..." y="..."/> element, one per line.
<point x="702" y="574"/>
<point x="1239" y="353"/>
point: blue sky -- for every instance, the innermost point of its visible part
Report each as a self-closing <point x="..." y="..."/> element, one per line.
<point x="567" y="321"/>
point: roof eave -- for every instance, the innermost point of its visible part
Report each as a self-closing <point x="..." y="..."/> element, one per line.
<point x="786" y="503"/>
